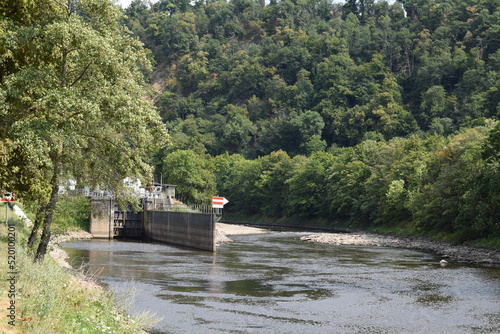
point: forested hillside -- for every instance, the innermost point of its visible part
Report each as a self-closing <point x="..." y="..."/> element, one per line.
<point x="363" y="112"/>
<point x="306" y="75"/>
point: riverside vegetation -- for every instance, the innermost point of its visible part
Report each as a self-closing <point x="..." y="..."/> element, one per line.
<point x="441" y="187"/>
<point x="364" y="114"/>
<point x="54" y="299"/>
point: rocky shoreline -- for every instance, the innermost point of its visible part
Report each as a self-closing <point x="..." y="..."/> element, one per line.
<point x="58" y="254"/>
<point x="451" y="253"/>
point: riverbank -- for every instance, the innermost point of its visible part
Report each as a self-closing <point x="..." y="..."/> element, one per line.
<point x="222" y="231"/>
<point x="91" y="284"/>
<point x="53" y="297"/>
<point x="60" y="256"/>
<point x="451" y="253"/>
<point x="342" y="235"/>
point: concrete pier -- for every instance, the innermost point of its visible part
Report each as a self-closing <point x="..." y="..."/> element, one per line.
<point x="195" y="230"/>
<point x="190" y="229"/>
<point x="101" y="225"/>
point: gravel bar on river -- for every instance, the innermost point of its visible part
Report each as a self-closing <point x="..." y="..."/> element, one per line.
<point x="455" y="253"/>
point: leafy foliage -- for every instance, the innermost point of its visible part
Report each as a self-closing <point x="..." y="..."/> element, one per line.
<point x="437" y="184"/>
<point x="192" y="173"/>
<point x="73" y="104"/>
<point x="370" y="69"/>
<point x="367" y="112"/>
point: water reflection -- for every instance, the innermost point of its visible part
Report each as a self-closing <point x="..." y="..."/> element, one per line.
<point x="274" y="283"/>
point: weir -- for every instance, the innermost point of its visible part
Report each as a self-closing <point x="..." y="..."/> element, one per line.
<point x="156" y="222"/>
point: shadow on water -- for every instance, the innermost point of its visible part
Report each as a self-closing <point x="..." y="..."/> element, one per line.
<point x="275" y="283"/>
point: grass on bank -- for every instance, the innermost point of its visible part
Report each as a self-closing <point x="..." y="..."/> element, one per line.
<point x="71" y="214"/>
<point x="49" y="299"/>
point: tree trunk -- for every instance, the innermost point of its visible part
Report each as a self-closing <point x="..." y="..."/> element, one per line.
<point x="36" y="227"/>
<point x="49" y="211"/>
<point x="44" y="241"/>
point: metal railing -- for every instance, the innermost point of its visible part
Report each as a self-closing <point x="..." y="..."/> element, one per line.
<point x="174" y="205"/>
<point x="152" y="201"/>
<point x="163" y="204"/>
<point x="97" y="193"/>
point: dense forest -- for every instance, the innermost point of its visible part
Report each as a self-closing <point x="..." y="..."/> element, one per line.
<point x="365" y="112"/>
<point x="307" y="75"/>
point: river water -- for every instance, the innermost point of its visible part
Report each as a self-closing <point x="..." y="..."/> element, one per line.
<point x="275" y="283"/>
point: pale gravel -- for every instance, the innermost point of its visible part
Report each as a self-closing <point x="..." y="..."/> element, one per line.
<point x="223" y="230"/>
<point x="456" y="253"/>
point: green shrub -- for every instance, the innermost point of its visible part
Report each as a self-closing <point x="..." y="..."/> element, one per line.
<point x="72" y="214"/>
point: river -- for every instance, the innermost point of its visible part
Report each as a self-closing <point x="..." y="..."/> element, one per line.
<point x="275" y="283"/>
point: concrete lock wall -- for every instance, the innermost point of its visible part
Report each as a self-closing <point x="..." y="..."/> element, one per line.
<point x="195" y="230"/>
<point x="101" y="218"/>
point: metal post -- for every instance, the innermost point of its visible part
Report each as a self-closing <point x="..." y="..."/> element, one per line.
<point x="6" y="213"/>
<point x="111" y="215"/>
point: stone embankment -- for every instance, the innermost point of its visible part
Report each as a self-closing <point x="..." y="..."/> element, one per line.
<point x="452" y="253"/>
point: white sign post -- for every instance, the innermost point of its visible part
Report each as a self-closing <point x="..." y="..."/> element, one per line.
<point x="219" y="202"/>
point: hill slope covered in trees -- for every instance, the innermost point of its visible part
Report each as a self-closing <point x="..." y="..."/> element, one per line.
<point x="369" y="112"/>
<point x="304" y="75"/>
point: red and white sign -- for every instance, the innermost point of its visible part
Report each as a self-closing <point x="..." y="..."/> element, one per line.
<point x="218" y="202"/>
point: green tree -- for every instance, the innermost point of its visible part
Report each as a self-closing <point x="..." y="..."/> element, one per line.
<point x="301" y="134"/>
<point x="245" y="78"/>
<point x="192" y="71"/>
<point x="192" y="173"/>
<point x="434" y="102"/>
<point x="238" y="132"/>
<point x="480" y="214"/>
<point x="223" y="21"/>
<point x="357" y="36"/>
<point x="449" y="177"/>
<point x="308" y="190"/>
<point x="236" y="179"/>
<point x="173" y="106"/>
<point x="270" y="186"/>
<point x="73" y="105"/>
<point x="346" y="188"/>
<point x="224" y="167"/>
<point x="170" y="35"/>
